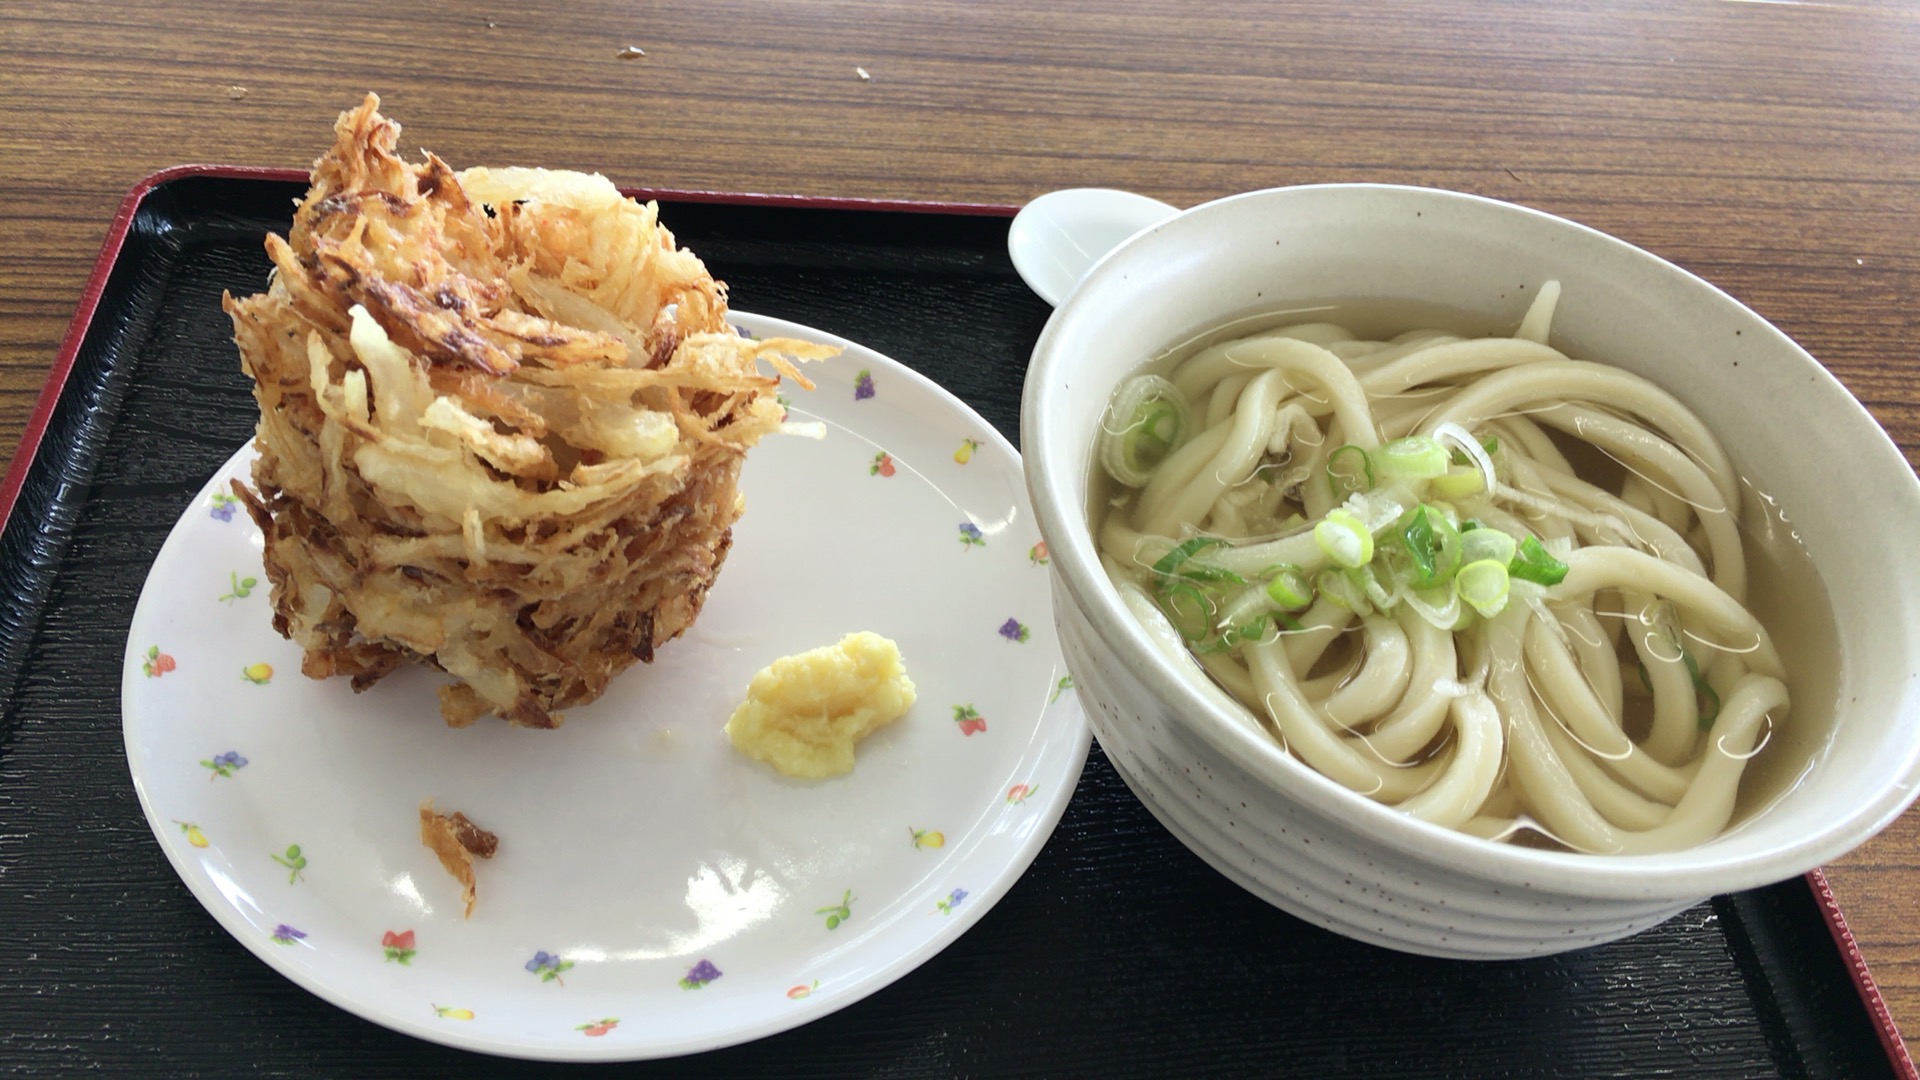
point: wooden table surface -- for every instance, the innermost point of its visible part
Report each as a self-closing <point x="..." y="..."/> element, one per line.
<point x="1770" y="146"/>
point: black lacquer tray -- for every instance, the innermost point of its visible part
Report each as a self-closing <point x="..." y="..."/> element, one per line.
<point x="1119" y="953"/>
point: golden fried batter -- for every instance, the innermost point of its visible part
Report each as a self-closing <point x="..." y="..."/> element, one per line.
<point x="457" y="841"/>
<point x="502" y="419"/>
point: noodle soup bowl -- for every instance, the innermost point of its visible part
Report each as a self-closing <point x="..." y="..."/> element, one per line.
<point x="1804" y="447"/>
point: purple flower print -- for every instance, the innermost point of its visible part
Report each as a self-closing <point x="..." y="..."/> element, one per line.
<point x="863" y="385"/>
<point x="952" y="901"/>
<point x="970" y="535"/>
<point x="1015" y="630"/>
<point x="700" y="975"/>
<point x="223" y="506"/>
<point x="548" y="966"/>
<point x="225" y="764"/>
<point x="287" y="935"/>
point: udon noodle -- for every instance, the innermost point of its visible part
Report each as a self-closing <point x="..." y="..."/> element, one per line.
<point x="1497" y="588"/>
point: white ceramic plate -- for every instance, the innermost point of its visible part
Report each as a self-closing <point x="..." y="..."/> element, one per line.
<point x="655" y="892"/>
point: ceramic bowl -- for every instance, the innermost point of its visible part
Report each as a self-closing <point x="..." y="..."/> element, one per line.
<point x="1342" y="861"/>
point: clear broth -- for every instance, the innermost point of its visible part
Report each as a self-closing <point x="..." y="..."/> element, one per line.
<point x="1785" y="591"/>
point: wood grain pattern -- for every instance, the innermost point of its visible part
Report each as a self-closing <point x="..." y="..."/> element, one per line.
<point x="1773" y="148"/>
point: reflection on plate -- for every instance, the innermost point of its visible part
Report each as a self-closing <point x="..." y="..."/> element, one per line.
<point x="655" y="892"/>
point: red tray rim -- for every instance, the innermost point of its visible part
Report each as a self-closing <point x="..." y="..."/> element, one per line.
<point x="55" y="385"/>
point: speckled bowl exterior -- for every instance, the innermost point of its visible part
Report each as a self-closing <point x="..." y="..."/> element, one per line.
<point x="1332" y="857"/>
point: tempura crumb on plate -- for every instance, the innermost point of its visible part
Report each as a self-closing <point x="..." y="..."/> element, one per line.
<point x="457" y="841"/>
<point x="502" y="423"/>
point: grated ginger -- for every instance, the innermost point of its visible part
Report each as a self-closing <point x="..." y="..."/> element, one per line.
<point x="803" y="713"/>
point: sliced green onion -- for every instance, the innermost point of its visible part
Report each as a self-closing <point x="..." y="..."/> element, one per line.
<point x="1378" y="509"/>
<point x="1484" y="585"/>
<point x="1416" y="457"/>
<point x="1224" y="643"/>
<point x="1254" y="629"/>
<point x="1440" y="606"/>
<point x="1149" y="421"/>
<point x="1195" y="570"/>
<point x="1451" y="432"/>
<point x="1344" y="538"/>
<point x="1458" y="482"/>
<point x="1290" y="588"/>
<point x="1532" y="563"/>
<point x="1341" y="590"/>
<point x="1491" y="444"/>
<point x="1187" y="608"/>
<point x="1447" y="555"/>
<point x="1432" y="542"/>
<point x="1700" y="685"/>
<point x="1486" y="544"/>
<point x="1370" y="586"/>
<point x="1349" y="469"/>
<point x="1701" y="688"/>
<point x="1172" y="561"/>
<point x="1417" y="536"/>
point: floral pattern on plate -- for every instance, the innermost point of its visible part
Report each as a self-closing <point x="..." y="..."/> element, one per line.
<point x="969" y="720"/>
<point x="594" y="1029"/>
<point x="295" y="862"/>
<point x="156" y="663"/>
<point x="238" y="588"/>
<point x="224" y="764"/>
<point x="837" y="913"/>
<point x="296" y="759"/>
<point x="700" y="975"/>
<point x="549" y="967"/>
<point x="398" y="947"/>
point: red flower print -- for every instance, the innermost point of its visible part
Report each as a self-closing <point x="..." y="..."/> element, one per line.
<point x="156" y="663"/>
<point x="398" y="947"/>
<point x="969" y="720"/>
<point x="599" y="1027"/>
